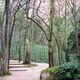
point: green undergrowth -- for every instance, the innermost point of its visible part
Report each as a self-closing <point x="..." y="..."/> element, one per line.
<point x="29" y="65"/>
<point x="51" y="70"/>
<point x="7" y="74"/>
<point x="68" y="71"/>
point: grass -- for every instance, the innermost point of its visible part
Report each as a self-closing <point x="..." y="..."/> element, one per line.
<point x="51" y="70"/>
<point x="29" y="65"/>
<point x="7" y="74"/>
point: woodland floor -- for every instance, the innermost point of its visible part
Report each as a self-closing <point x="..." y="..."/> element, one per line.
<point x="21" y="72"/>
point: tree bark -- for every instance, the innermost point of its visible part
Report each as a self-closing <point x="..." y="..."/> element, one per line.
<point x="6" y="60"/>
<point x="27" y="59"/>
<point x="52" y="10"/>
<point x="6" y="38"/>
<point x="19" y="53"/>
<point x="33" y="24"/>
<point x="50" y="54"/>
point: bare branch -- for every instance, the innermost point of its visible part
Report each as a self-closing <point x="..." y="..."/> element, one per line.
<point x="39" y="26"/>
<point x="39" y="16"/>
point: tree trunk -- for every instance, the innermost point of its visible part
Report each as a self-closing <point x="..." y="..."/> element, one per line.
<point x="52" y="11"/>
<point x="19" y="53"/>
<point x="60" y="55"/>
<point x="50" y="54"/>
<point x="65" y="31"/>
<point x="6" y="60"/>
<point x="76" y="40"/>
<point x="74" y="13"/>
<point x="27" y="59"/>
<point x="6" y="38"/>
<point x="25" y="39"/>
<point x="33" y="24"/>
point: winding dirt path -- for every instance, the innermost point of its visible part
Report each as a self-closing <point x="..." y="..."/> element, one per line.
<point x="20" y="72"/>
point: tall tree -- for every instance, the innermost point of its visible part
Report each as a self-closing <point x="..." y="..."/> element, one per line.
<point x="72" y="6"/>
<point x="52" y="11"/>
<point x="7" y="29"/>
<point x="6" y="36"/>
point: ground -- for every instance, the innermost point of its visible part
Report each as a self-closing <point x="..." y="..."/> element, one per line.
<point x="21" y="72"/>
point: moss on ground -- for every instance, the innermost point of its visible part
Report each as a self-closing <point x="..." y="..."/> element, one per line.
<point x="29" y="65"/>
<point x="7" y="74"/>
<point x="51" y="70"/>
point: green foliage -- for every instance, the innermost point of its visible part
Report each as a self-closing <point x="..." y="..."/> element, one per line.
<point x="71" y="41"/>
<point x="38" y="53"/>
<point x="51" y="70"/>
<point x="68" y="71"/>
<point x="74" y="57"/>
<point x="2" y="5"/>
<point x="7" y="73"/>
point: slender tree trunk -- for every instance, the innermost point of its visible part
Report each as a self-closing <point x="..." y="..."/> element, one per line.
<point x="27" y="60"/>
<point x="19" y="53"/>
<point x="11" y="34"/>
<point x="20" y="44"/>
<point x="65" y="37"/>
<point x="74" y="12"/>
<point x="50" y="54"/>
<point x="76" y="31"/>
<point x="25" y="39"/>
<point x="76" y="39"/>
<point x="6" y="59"/>
<point x="33" y="24"/>
<point x="60" y="54"/>
<point x="6" y="38"/>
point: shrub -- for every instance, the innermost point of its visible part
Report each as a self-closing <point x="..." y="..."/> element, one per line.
<point x="51" y="70"/>
<point x="47" y="74"/>
<point x="68" y="71"/>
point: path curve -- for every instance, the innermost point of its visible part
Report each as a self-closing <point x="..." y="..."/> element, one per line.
<point x="25" y="73"/>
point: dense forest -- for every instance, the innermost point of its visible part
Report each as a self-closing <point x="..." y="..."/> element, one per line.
<point x="41" y="31"/>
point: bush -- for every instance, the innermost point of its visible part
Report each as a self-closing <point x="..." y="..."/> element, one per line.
<point x="51" y="70"/>
<point x="68" y="71"/>
<point x="47" y="74"/>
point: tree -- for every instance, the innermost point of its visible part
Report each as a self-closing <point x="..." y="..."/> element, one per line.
<point x="72" y="5"/>
<point x="45" y="31"/>
<point x="6" y="37"/>
<point x="7" y="29"/>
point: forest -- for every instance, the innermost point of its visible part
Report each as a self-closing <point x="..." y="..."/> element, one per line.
<point x="43" y="32"/>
